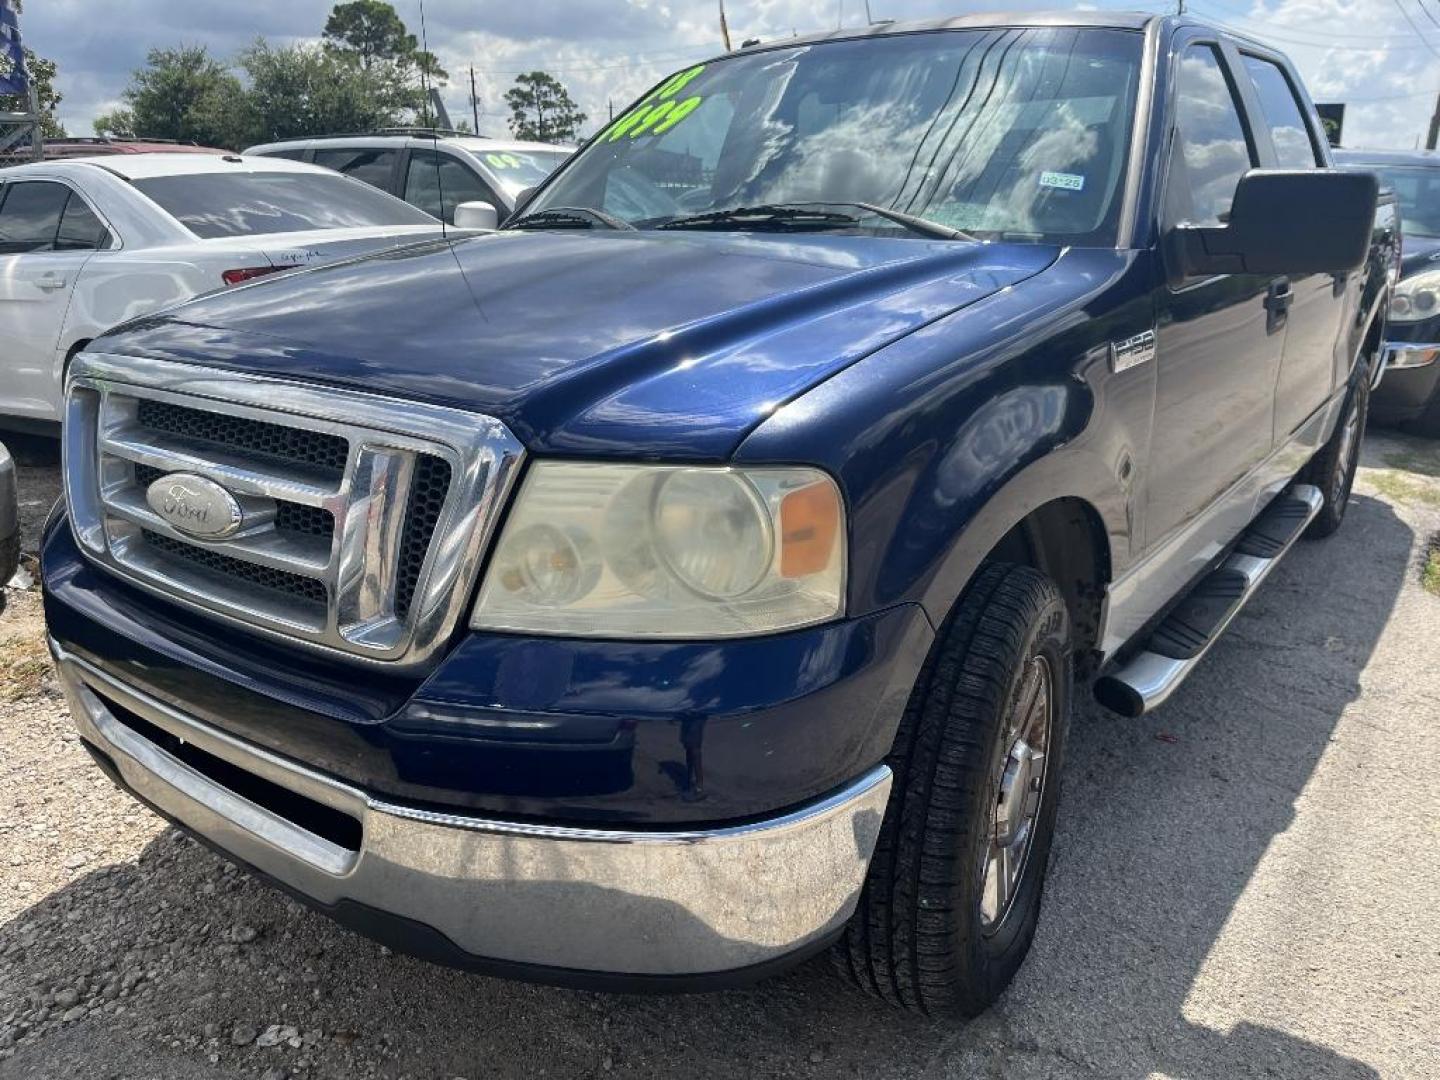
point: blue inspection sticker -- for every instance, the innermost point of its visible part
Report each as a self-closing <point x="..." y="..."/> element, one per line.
<point x="1063" y="180"/>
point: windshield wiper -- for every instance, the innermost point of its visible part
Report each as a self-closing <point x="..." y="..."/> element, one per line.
<point x="811" y="215"/>
<point x="568" y="217"/>
<point x="772" y="216"/>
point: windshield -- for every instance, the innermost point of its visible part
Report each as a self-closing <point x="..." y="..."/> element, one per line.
<point x="520" y="169"/>
<point x="212" y="205"/>
<point x="1013" y="134"/>
<point x="1418" y="190"/>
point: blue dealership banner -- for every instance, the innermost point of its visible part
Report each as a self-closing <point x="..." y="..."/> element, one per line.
<point x="14" y="80"/>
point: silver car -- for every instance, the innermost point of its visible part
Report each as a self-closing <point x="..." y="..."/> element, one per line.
<point x="436" y="170"/>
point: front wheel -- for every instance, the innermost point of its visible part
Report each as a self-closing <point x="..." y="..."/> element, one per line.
<point x="1333" y="468"/>
<point x="950" y="904"/>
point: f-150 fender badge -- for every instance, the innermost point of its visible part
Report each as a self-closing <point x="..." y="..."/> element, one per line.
<point x="195" y="506"/>
<point x="1132" y="351"/>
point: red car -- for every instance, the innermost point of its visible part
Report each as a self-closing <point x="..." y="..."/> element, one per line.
<point x="65" y="148"/>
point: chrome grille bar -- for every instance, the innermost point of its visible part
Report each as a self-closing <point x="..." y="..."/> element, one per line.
<point x="255" y="576"/>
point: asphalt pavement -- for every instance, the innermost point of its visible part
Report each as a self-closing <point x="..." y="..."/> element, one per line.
<point x="1245" y="883"/>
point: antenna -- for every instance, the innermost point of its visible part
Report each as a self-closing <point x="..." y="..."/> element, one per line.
<point x="434" y="135"/>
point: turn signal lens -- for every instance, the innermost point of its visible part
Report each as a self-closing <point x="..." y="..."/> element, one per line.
<point x="809" y="528"/>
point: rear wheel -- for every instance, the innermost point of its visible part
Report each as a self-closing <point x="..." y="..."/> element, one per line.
<point x="950" y="904"/>
<point x="1333" y="469"/>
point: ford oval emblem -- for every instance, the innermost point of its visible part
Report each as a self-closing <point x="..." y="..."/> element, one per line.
<point x="195" y="506"/>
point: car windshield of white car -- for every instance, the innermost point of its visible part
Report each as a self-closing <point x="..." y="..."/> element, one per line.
<point x="246" y="204"/>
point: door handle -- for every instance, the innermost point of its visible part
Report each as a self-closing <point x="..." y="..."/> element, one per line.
<point x="1278" y="299"/>
<point x="50" y="281"/>
<point x="1279" y="296"/>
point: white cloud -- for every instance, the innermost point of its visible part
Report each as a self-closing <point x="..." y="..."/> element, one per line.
<point x="1359" y="51"/>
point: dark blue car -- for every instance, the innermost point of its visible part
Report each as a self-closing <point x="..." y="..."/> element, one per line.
<point x="1409" y="394"/>
<point x="699" y="572"/>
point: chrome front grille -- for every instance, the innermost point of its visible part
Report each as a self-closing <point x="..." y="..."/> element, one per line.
<point x="364" y="518"/>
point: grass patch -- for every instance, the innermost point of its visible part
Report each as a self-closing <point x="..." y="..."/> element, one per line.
<point x="1425" y="462"/>
<point x="1400" y="488"/>
<point x="1430" y="570"/>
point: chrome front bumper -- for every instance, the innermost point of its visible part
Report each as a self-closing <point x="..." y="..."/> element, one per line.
<point x="551" y="898"/>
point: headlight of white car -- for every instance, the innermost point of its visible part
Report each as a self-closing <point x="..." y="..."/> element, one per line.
<point x="1416" y="298"/>
<point x="645" y="551"/>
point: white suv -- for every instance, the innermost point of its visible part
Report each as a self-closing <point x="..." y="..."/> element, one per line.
<point x="436" y="170"/>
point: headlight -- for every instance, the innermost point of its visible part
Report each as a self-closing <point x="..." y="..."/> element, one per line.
<point x="642" y="551"/>
<point x="1416" y="298"/>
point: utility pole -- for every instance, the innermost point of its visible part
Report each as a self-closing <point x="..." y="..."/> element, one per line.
<point x="724" y="27"/>
<point x="1434" y="136"/>
<point x="474" y="101"/>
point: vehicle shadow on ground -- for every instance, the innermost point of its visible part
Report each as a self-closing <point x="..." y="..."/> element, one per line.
<point x="1165" y="821"/>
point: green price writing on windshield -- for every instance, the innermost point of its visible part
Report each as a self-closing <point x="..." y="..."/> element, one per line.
<point x="503" y="161"/>
<point x="659" y="112"/>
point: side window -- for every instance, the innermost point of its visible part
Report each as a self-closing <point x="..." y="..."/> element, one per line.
<point x="1211" y="153"/>
<point x="374" y="166"/>
<point x="80" y="229"/>
<point x="1286" y="122"/>
<point x="292" y="153"/>
<point x="429" y="174"/>
<point x="30" y="216"/>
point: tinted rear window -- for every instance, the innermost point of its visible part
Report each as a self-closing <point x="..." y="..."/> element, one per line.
<point x="246" y="204"/>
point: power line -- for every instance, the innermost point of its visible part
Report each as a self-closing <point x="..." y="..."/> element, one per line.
<point x="692" y="53"/>
<point x="1423" y="39"/>
<point x="1426" y="11"/>
<point x="1247" y="17"/>
<point x="1266" y="33"/>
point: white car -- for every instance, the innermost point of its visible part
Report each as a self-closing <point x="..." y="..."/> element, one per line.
<point x="86" y="243"/>
<point x="435" y="170"/>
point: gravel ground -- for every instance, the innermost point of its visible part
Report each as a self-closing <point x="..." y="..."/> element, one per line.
<point x="1246" y="883"/>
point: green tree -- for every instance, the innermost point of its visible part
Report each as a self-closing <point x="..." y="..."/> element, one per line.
<point x="371" y="30"/>
<point x="120" y="123"/>
<point x="542" y="109"/>
<point x="372" y="35"/>
<point x="184" y="94"/>
<point x="307" y="90"/>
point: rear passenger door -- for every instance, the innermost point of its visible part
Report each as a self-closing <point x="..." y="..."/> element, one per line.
<point x="376" y="165"/>
<point x="1218" y="339"/>
<point x="1315" y="304"/>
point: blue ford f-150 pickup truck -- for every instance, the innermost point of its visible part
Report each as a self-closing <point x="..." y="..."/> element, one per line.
<point x="700" y="571"/>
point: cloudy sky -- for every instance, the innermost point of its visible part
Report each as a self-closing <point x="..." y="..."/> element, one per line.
<point x="1381" y="56"/>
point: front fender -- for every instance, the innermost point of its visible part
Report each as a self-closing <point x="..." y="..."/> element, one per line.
<point x="945" y="440"/>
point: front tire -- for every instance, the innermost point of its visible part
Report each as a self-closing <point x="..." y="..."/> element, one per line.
<point x="952" y="897"/>
<point x="1333" y="469"/>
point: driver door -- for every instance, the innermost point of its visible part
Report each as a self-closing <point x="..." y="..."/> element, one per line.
<point x="1219" y="340"/>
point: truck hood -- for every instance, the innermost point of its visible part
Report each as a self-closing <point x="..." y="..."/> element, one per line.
<point x="1419" y="253"/>
<point x="645" y="343"/>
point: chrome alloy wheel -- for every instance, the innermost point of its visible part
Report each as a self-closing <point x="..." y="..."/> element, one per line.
<point x="1020" y="787"/>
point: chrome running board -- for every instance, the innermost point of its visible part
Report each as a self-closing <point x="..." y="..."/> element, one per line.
<point x="1181" y="641"/>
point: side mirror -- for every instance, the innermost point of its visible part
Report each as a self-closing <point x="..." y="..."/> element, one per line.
<point x="476" y="215"/>
<point x="524" y="197"/>
<point x="1310" y="221"/>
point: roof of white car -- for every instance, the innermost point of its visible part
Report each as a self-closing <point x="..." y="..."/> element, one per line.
<point x="476" y="144"/>
<point x="141" y="166"/>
